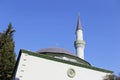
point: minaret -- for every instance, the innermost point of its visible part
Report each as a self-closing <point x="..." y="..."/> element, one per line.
<point x="79" y="43"/>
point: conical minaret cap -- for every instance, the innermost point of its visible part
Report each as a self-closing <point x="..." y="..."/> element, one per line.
<point x="79" y="26"/>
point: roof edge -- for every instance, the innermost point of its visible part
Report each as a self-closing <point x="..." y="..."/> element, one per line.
<point x="63" y="61"/>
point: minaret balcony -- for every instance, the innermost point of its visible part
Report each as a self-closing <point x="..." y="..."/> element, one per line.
<point x="79" y="42"/>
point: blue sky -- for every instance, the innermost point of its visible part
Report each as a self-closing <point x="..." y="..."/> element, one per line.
<point x="52" y="23"/>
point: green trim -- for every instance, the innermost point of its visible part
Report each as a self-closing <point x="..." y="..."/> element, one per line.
<point x="64" y="61"/>
<point x="78" y="60"/>
<point x="16" y="65"/>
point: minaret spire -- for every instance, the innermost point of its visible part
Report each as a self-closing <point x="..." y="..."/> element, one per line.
<point x="79" y="43"/>
<point x="79" y="26"/>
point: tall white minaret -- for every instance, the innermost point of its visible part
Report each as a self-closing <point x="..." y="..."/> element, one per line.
<point x="79" y="43"/>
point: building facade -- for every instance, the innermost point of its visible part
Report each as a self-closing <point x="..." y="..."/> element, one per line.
<point x="58" y="63"/>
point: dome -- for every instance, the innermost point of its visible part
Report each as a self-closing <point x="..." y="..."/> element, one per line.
<point x="63" y="54"/>
<point x="55" y="50"/>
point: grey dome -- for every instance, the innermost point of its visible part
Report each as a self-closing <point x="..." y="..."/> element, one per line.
<point x="72" y="57"/>
<point x="55" y="50"/>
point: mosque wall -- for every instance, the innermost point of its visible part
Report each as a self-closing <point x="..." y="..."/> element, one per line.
<point x="31" y="67"/>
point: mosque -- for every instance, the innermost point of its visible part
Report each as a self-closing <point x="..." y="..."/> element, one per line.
<point x="57" y="63"/>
